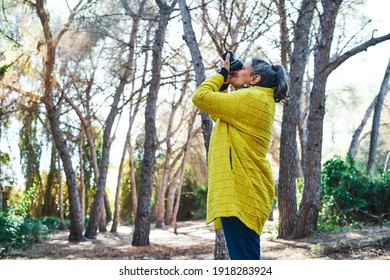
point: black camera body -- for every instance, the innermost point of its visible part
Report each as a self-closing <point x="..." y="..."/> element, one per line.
<point x="235" y="64"/>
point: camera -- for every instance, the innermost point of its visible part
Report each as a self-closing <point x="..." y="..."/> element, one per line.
<point x="235" y="64"/>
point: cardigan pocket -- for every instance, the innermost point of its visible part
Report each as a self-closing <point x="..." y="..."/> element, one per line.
<point x="230" y="158"/>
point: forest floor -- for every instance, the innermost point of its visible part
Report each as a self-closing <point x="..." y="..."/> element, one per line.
<point x="195" y="241"/>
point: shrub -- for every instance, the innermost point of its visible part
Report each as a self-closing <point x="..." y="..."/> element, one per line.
<point x="193" y="201"/>
<point x="350" y="195"/>
<point x="18" y="231"/>
<point x="31" y="231"/>
<point x="54" y="223"/>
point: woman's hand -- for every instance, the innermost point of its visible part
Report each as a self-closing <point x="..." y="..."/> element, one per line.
<point x="226" y="64"/>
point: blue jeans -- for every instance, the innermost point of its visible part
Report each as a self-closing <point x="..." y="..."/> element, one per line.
<point x="242" y="242"/>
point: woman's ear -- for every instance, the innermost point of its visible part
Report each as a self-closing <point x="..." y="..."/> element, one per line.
<point x="255" y="79"/>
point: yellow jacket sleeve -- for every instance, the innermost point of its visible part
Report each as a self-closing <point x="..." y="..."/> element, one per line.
<point x="237" y="108"/>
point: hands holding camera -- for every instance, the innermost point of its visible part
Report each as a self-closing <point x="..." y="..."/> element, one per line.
<point x="231" y="64"/>
<point x="225" y="61"/>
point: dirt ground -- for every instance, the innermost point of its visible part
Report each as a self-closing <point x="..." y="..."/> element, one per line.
<point x="195" y="241"/>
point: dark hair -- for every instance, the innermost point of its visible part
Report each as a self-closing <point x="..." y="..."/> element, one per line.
<point x="272" y="76"/>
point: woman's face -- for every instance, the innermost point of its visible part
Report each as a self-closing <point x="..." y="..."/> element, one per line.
<point x="243" y="76"/>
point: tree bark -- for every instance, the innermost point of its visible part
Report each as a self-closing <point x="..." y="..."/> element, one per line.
<point x="187" y="146"/>
<point x="142" y="221"/>
<point x="288" y="142"/>
<point x="1" y="197"/>
<point x="160" y="201"/>
<point x="82" y="178"/>
<point x="371" y="164"/>
<point x="310" y="204"/>
<point x="323" y="66"/>
<point x="128" y="72"/>
<point x="197" y="61"/>
<point x="48" y="202"/>
<point x="53" y="114"/>
<point x="171" y="196"/>
<point x="85" y="123"/>
<point x="353" y="147"/>
<point x="284" y="40"/>
<point x="189" y="37"/>
<point x="98" y="203"/>
<point x="1" y="164"/>
<point x="60" y="199"/>
<point x="30" y="152"/>
<point x="133" y="184"/>
<point x="386" y="165"/>
<point x="115" y="221"/>
<point x="126" y="148"/>
<point x="179" y="175"/>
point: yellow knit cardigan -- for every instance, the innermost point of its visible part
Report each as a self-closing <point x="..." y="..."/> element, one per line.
<point x="240" y="178"/>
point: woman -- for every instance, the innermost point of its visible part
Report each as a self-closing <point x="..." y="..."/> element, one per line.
<point x="241" y="187"/>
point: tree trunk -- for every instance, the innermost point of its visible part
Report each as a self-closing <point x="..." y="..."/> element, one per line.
<point x="187" y="146"/>
<point x="48" y="203"/>
<point x="29" y="147"/>
<point x="206" y="124"/>
<point x="159" y="207"/>
<point x="323" y="66"/>
<point x="385" y="167"/>
<point x="1" y="163"/>
<point x="310" y="204"/>
<point x="171" y="197"/>
<point x="200" y="74"/>
<point x="284" y="40"/>
<point x="1" y="199"/>
<point x="353" y="147"/>
<point x="142" y="221"/>
<point x="60" y="200"/>
<point x="120" y="172"/>
<point x="82" y="183"/>
<point x="103" y="216"/>
<point x="302" y="130"/>
<point x="220" y="250"/>
<point x="115" y="222"/>
<point x="133" y="184"/>
<point x="85" y="122"/>
<point x="97" y="203"/>
<point x="288" y="142"/>
<point x="53" y="114"/>
<point x="371" y="164"/>
<point x="174" y="181"/>
<point x="127" y="146"/>
<point x="167" y="167"/>
<point x="180" y="177"/>
<point x="178" y="195"/>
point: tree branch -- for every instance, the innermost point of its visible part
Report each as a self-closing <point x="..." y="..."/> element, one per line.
<point x="362" y="47"/>
<point x="66" y="25"/>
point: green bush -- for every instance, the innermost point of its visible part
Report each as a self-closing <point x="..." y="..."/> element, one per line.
<point x="54" y="223"/>
<point x="201" y="203"/>
<point x="31" y="231"/>
<point x="193" y="201"/>
<point x="18" y="231"/>
<point x="350" y="195"/>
